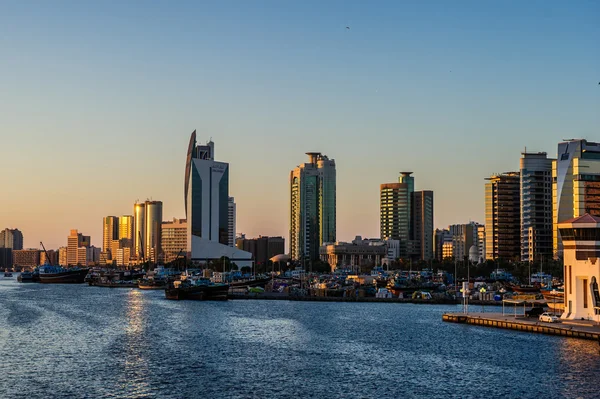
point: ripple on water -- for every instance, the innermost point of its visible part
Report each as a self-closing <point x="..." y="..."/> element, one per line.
<point x="88" y="342"/>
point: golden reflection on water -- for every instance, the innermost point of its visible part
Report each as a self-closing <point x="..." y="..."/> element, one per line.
<point x="135" y="310"/>
<point x="136" y="361"/>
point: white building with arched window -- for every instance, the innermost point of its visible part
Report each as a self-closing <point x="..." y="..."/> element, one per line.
<point x="581" y="244"/>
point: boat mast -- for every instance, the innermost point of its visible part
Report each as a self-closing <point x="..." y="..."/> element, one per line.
<point x="46" y="252"/>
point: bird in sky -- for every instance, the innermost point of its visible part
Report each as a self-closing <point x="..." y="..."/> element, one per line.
<point x="347" y="27"/>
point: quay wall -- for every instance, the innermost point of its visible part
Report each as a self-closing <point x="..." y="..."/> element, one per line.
<point x="529" y="326"/>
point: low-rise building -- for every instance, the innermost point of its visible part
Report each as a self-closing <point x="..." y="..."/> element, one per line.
<point x="262" y="248"/>
<point x="174" y="239"/>
<point x="581" y="251"/>
<point x="26" y="258"/>
<point x="355" y="254"/>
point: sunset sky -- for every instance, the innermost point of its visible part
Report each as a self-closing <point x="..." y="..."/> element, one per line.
<point x="98" y="101"/>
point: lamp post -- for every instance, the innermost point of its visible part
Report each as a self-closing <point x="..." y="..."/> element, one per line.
<point x="554" y="293"/>
<point x="481" y="292"/>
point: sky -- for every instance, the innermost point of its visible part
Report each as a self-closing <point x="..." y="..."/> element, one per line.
<point x="98" y="101"/>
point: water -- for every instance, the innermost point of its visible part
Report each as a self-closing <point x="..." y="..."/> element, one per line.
<point x="88" y="342"/>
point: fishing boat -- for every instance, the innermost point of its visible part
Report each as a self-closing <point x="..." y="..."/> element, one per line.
<point x="197" y="288"/>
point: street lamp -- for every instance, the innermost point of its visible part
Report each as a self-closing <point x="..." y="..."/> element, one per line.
<point x="481" y="292"/>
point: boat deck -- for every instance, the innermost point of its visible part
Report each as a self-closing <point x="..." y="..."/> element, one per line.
<point x="584" y="329"/>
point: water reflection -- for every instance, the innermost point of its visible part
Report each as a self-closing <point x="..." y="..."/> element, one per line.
<point x="135" y="345"/>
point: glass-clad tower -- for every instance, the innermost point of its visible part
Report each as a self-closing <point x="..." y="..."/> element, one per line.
<point x="312" y="206"/>
<point x="576" y="184"/>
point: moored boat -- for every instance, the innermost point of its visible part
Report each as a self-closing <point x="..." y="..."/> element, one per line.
<point x="25" y="277"/>
<point x="152" y="284"/>
<point x="8" y="274"/>
<point x="526" y="288"/>
<point x="198" y="289"/>
<point x="60" y="275"/>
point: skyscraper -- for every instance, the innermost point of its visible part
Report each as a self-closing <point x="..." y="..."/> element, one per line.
<point x="576" y="184"/>
<point x="153" y="224"/>
<point x="75" y="241"/>
<point x="231" y="226"/>
<point x="536" y="206"/>
<point x="312" y="206"/>
<point x="126" y="227"/>
<point x="139" y="230"/>
<point x="406" y="215"/>
<point x="11" y="239"/>
<point x="110" y="232"/>
<point x="206" y="198"/>
<point x="423" y="223"/>
<point x="503" y="216"/>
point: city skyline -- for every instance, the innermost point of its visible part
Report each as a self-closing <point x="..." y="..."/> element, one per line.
<point x="441" y="94"/>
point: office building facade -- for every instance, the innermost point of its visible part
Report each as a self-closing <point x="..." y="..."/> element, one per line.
<point x="206" y="199"/>
<point x="75" y="241"/>
<point x="110" y="232"/>
<point x="139" y="230"/>
<point x="232" y="222"/>
<point x="503" y="217"/>
<point x="576" y="184"/>
<point x="29" y="258"/>
<point x="312" y="206"/>
<point x="174" y="239"/>
<point x="153" y="230"/>
<point x="406" y="215"/>
<point x="422" y="203"/>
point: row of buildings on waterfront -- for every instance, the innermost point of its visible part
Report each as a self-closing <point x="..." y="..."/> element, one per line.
<point x="522" y="211"/>
<point x="523" y="208"/>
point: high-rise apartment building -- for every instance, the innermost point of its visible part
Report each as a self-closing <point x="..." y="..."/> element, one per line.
<point x="503" y="216"/>
<point x="153" y="223"/>
<point x="174" y="239"/>
<point x="312" y="206"/>
<point x="481" y="241"/>
<point x="110" y="232"/>
<point x="536" y="206"/>
<point x="11" y="238"/>
<point x="75" y="241"/>
<point x="422" y="203"/>
<point x="463" y="237"/>
<point x="231" y="226"/>
<point x="576" y="184"/>
<point x="406" y="215"/>
<point x="139" y="230"/>
<point x="206" y="199"/>
<point x="441" y="237"/>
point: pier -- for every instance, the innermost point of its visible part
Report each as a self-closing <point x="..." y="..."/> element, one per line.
<point x="584" y="329"/>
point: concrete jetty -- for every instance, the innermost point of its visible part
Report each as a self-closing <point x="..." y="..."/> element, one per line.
<point x="583" y="329"/>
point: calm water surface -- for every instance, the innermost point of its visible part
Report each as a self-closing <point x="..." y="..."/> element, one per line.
<point x="60" y="341"/>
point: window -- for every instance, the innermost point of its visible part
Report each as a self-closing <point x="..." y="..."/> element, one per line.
<point x="570" y="281"/>
<point x="585" y="293"/>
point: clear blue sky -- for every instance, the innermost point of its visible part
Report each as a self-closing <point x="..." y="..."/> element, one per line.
<point x="98" y="100"/>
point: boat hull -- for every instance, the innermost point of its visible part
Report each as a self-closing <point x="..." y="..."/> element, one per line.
<point x="199" y="293"/>
<point x="251" y="283"/>
<point x="68" y="277"/>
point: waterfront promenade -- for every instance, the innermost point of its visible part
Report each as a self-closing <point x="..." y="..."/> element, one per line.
<point x="583" y="329"/>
